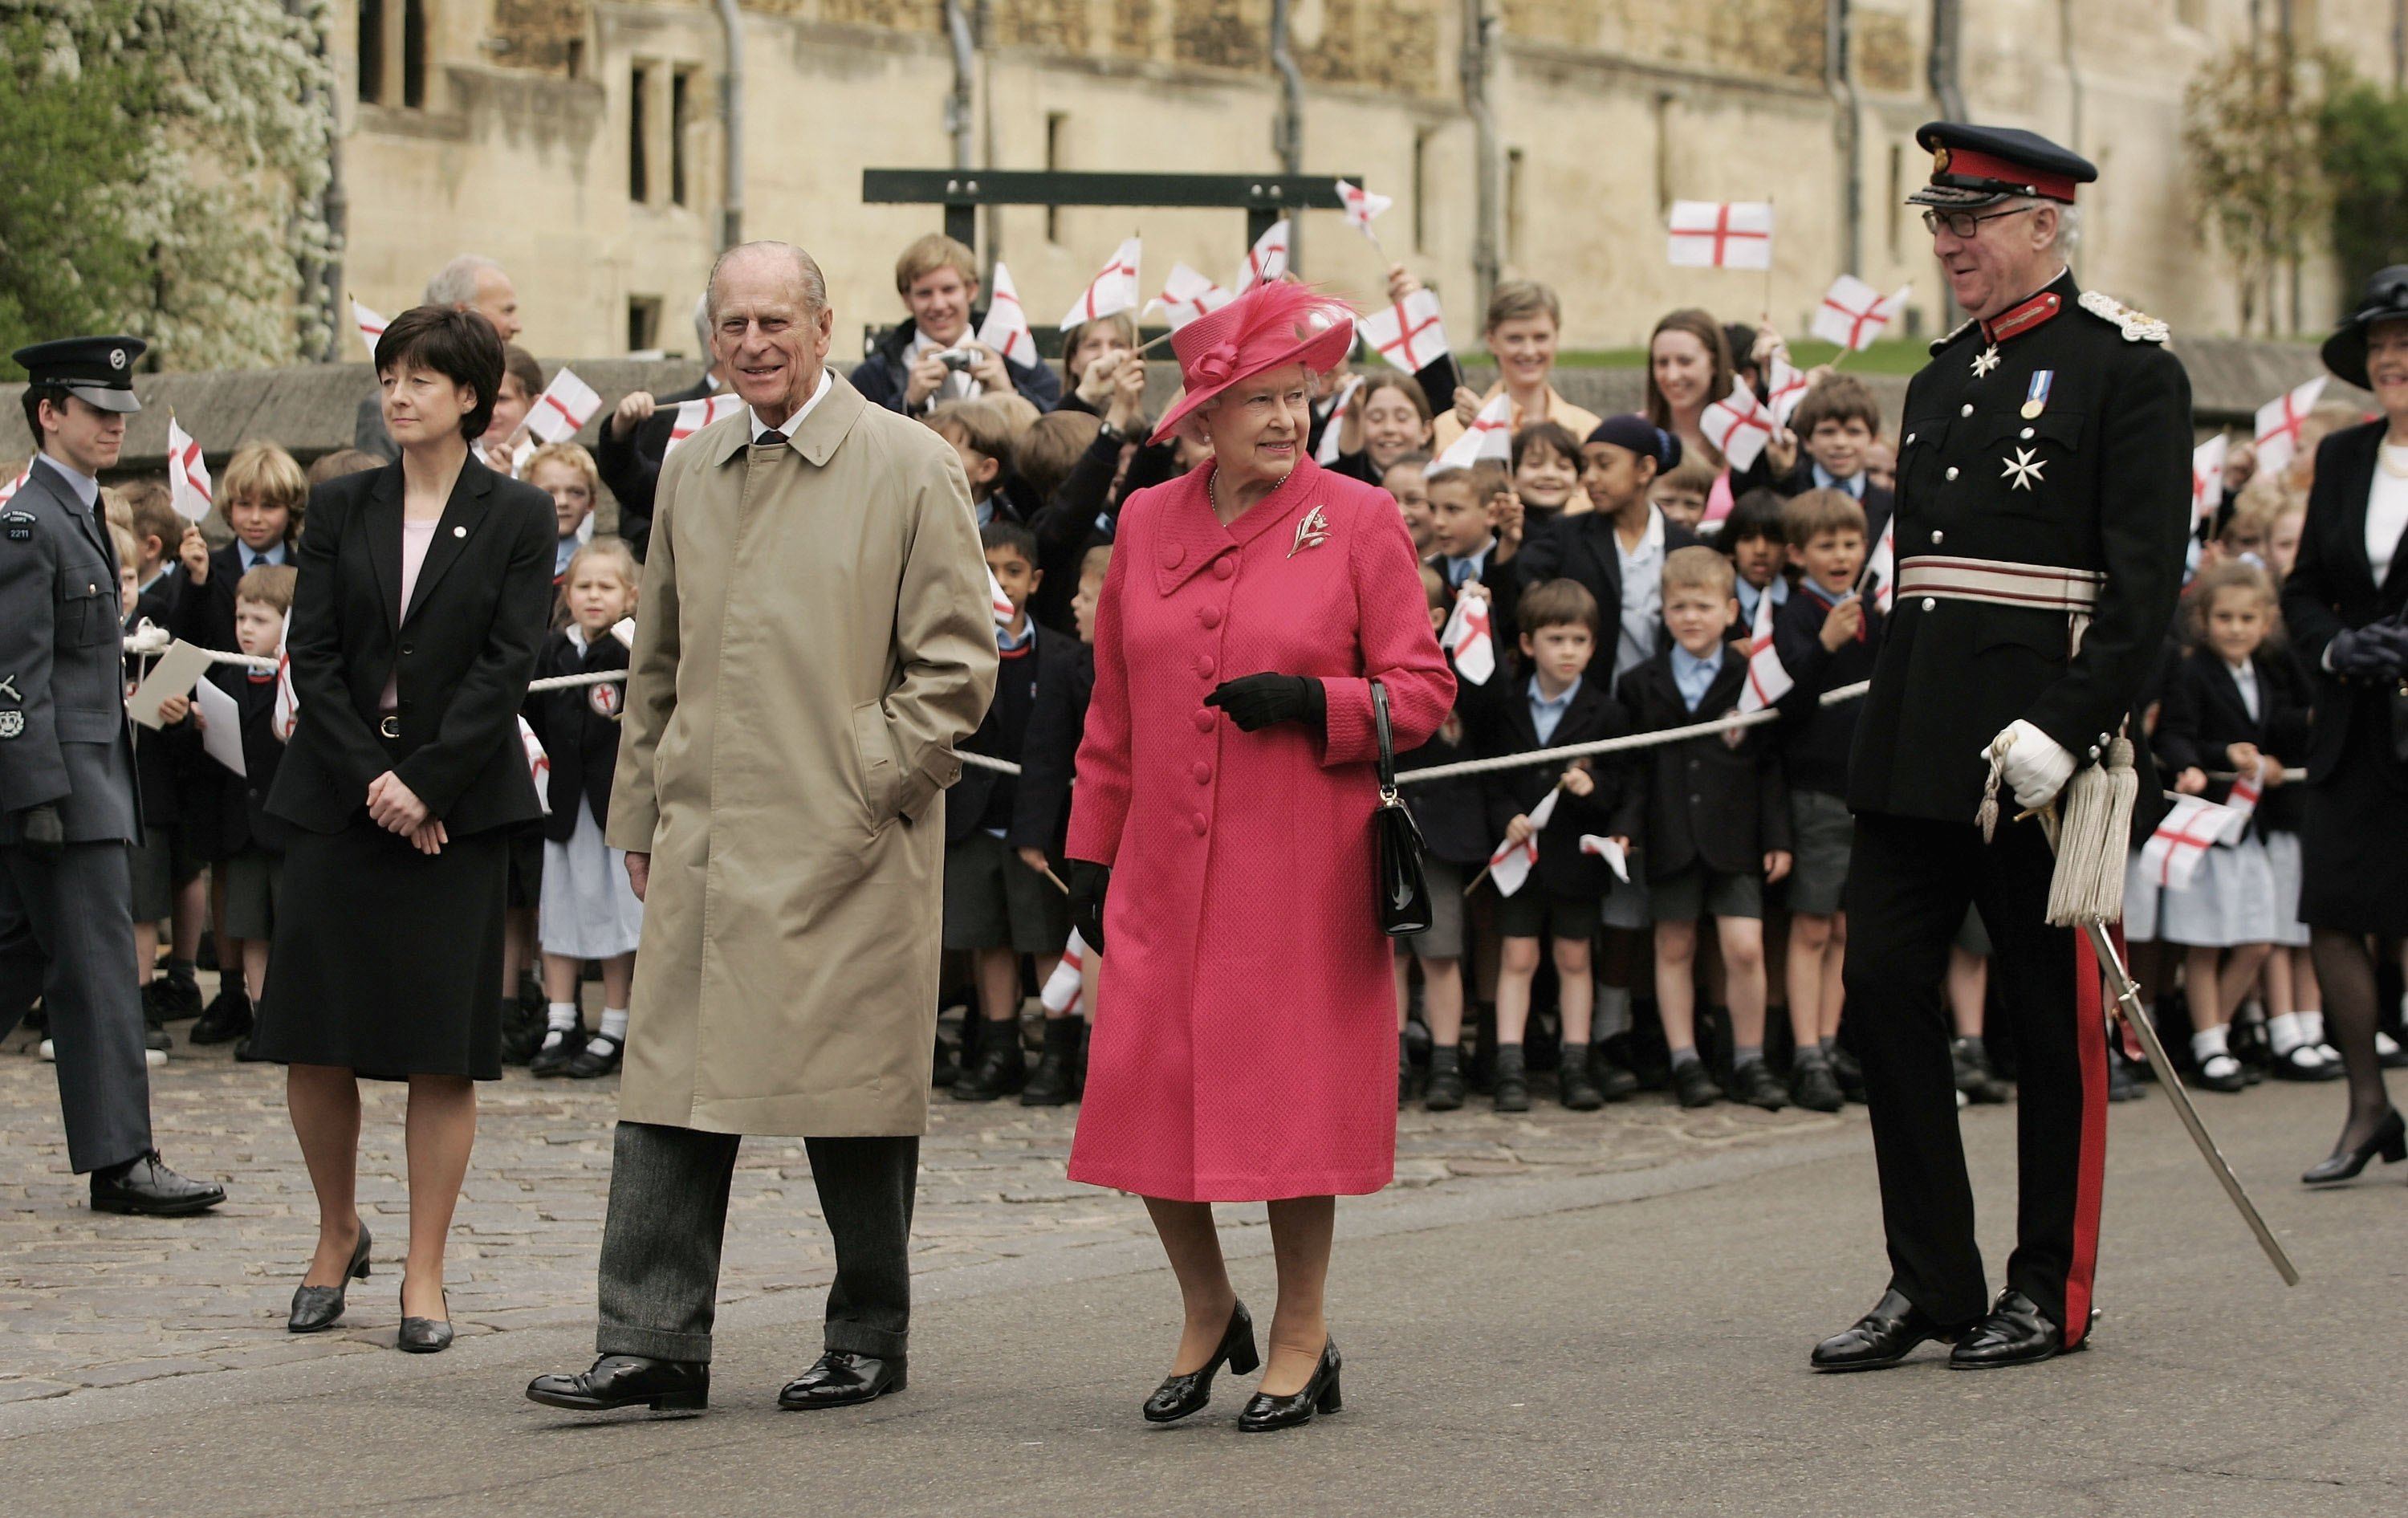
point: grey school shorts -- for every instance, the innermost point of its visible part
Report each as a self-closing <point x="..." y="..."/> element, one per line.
<point x="1825" y="834"/>
<point x="1534" y="913"/>
<point x="1443" y="938"/>
<point x="251" y="881"/>
<point x="1698" y="891"/>
<point x="993" y="901"/>
<point x="158" y="864"/>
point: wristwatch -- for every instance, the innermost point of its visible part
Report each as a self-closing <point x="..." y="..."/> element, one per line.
<point x="1110" y="434"/>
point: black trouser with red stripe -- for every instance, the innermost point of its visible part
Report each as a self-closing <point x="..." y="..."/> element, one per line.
<point x="1909" y="883"/>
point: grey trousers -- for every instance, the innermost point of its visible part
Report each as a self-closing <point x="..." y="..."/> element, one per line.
<point x="66" y="935"/>
<point x="668" y="1211"/>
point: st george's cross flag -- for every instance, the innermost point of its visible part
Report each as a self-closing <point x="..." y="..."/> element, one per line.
<point x="1784" y="386"/>
<point x="1186" y="295"/>
<point x="188" y="474"/>
<point x="1721" y="233"/>
<point x="2191" y="826"/>
<point x="694" y="415"/>
<point x="1407" y="332"/>
<point x="1617" y="858"/>
<point x="1361" y="205"/>
<point x="11" y="487"/>
<point x="1737" y="425"/>
<point x="1489" y="437"/>
<point x="371" y="327"/>
<point x="2279" y="421"/>
<point x="2241" y="801"/>
<point x="1333" y="430"/>
<point x="565" y="406"/>
<point x="286" y="715"/>
<point x="1267" y="260"/>
<point x="998" y="601"/>
<point x="1509" y="867"/>
<point x="1854" y="313"/>
<point x="1470" y="640"/>
<point x="1880" y="579"/>
<point x="538" y="764"/>
<point x="1114" y="289"/>
<point x="1005" y="330"/>
<point x="2207" y="477"/>
<point x="1767" y="680"/>
<point x="1065" y="986"/>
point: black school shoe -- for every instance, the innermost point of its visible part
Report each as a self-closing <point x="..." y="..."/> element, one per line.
<point x="171" y="997"/>
<point x="1692" y="1086"/>
<point x="588" y="1063"/>
<point x="560" y="1046"/>
<point x="1755" y="1083"/>
<point x="1812" y="1085"/>
<point x="522" y="1033"/>
<point x="226" y="1018"/>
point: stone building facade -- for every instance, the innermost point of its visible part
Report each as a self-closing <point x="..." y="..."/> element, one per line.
<point x="580" y="141"/>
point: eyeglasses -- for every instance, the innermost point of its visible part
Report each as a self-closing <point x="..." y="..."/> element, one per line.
<point x="1965" y="223"/>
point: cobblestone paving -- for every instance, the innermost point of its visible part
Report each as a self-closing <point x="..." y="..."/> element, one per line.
<point x="90" y="1299"/>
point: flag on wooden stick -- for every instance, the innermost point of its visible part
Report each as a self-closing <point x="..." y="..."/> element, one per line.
<point x="1407" y="332"/>
<point x="188" y="474"/>
<point x="1854" y="313"/>
<point x="1739" y="426"/>
<point x="2279" y="421"/>
<point x="694" y="415"/>
<point x="1361" y="205"/>
<point x="1186" y="295"/>
<point x="565" y="406"/>
<point x="2207" y="477"/>
<point x="1768" y="680"/>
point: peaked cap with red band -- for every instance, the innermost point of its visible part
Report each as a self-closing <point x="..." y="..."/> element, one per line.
<point x="1269" y="327"/>
<point x="1973" y="166"/>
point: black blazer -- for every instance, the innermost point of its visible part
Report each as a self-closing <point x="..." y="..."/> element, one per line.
<point x="1452" y="814"/>
<point x="1706" y="800"/>
<point x="1498" y="717"/>
<point x="965" y="802"/>
<point x="1041" y="803"/>
<point x="1814" y="740"/>
<point x="2203" y="715"/>
<point x="1504" y="582"/>
<point x="579" y="730"/>
<point x="204" y="614"/>
<point x="631" y="466"/>
<point x="244" y="821"/>
<point x="2332" y="587"/>
<point x="1582" y="547"/>
<point x="1876" y="500"/>
<point x="463" y="650"/>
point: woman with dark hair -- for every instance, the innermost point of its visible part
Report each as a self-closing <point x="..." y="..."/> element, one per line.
<point x="1243" y="1051"/>
<point x="1688" y="369"/>
<point x="2346" y="604"/>
<point x="423" y="592"/>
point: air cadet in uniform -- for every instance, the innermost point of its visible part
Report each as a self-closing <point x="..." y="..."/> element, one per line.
<point x="2043" y="490"/>
<point x="67" y="805"/>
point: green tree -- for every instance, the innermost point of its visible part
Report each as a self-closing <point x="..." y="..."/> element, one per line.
<point x="2250" y="126"/>
<point x="2365" y="151"/>
<point x="180" y="137"/>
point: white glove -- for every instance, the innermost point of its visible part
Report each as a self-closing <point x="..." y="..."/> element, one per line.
<point x="2036" y="766"/>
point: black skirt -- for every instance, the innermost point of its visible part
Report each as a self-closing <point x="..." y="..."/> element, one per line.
<point x="2354" y="838"/>
<point x="388" y="962"/>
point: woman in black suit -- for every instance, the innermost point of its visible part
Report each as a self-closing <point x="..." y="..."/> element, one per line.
<point x="2346" y="602"/>
<point x="423" y="594"/>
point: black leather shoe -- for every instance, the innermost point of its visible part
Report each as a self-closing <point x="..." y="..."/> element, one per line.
<point x="425" y="1336"/>
<point x="521" y="1032"/>
<point x="559" y="1046"/>
<point x="1320" y="1395"/>
<point x="1616" y="1083"/>
<point x="1055" y="1082"/>
<point x="226" y="1018"/>
<point x="1179" y="1395"/>
<point x="1882" y="1337"/>
<point x="1846" y="1070"/>
<point x="1575" y="1083"/>
<point x="2301" y="1061"/>
<point x="1693" y="1087"/>
<point x="1755" y="1083"/>
<point x="316" y="1308"/>
<point x="1001" y="1069"/>
<point x="2121" y="1086"/>
<point x="145" y="1186"/>
<point x="1813" y="1086"/>
<point x="1443" y="1091"/>
<point x="2016" y="1332"/>
<point x="842" y="1379"/>
<point x="627" y="1381"/>
<point x="171" y="998"/>
<point x="585" y="1065"/>
<point x="1512" y="1090"/>
<point x="2390" y="1139"/>
<point x="1975" y="1078"/>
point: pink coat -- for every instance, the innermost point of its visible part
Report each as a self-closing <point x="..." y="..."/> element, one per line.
<point x="1245" y="1035"/>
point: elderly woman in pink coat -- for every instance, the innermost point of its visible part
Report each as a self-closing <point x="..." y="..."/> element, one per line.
<point x="1244" y="1042"/>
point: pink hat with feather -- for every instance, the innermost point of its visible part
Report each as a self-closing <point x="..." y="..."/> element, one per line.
<point x="1269" y="327"/>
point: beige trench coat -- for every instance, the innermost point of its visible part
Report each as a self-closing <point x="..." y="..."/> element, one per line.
<point x="813" y="638"/>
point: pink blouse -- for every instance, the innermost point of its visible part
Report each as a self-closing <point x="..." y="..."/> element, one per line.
<point x="415" y="537"/>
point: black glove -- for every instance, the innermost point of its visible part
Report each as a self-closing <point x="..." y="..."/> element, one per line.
<point x="1253" y="702"/>
<point x="39" y="828"/>
<point x="2378" y="651"/>
<point x="1088" y="883"/>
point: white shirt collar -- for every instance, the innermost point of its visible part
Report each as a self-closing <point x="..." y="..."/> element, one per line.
<point x="828" y="381"/>
<point x="576" y="632"/>
<point x="1650" y="542"/>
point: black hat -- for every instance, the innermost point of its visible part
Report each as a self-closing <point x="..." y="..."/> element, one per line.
<point x="2385" y="300"/>
<point x="1973" y="166"/>
<point x="99" y="370"/>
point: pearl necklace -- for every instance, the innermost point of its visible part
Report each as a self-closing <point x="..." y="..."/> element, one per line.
<point x="2385" y="455"/>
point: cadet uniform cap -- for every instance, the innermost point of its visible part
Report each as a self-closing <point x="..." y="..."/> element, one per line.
<point x="98" y="370"/>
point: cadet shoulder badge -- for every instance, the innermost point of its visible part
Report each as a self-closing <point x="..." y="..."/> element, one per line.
<point x="18" y="525"/>
<point x="2136" y="326"/>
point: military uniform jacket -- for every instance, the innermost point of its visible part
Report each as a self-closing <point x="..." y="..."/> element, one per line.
<point x="63" y="732"/>
<point x="2096" y="476"/>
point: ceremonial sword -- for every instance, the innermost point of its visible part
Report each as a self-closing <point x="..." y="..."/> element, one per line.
<point x="2129" y="1010"/>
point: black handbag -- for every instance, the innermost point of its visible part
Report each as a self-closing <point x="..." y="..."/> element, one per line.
<point x="1404" y="904"/>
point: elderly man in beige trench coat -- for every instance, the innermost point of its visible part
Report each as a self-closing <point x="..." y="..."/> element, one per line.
<point x="813" y="640"/>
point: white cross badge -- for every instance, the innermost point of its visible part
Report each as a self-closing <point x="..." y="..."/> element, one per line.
<point x="2024" y="468"/>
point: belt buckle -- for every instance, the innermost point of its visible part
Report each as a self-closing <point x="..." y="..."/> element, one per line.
<point x="390" y="726"/>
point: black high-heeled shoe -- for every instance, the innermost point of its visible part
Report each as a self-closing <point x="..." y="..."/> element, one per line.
<point x="2388" y="1139"/>
<point x="1179" y="1395"/>
<point x="1320" y="1395"/>
<point x="316" y="1308"/>
<point x="424" y="1336"/>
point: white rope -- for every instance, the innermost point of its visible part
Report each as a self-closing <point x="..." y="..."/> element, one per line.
<point x="265" y="665"/>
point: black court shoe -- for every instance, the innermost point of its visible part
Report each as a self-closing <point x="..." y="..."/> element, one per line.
<point x="627" y="1380"/>
<point x="424" y="1336"/>
<point x="2388" y="1139"/>
<point x="1320" y="1395"/>
<point x="1179" y="1395"/>
<point x="316" y="1308"/>
<point x="1882" y="1337"/>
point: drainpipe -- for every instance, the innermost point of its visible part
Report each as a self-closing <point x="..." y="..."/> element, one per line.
<point x="731" y="123"/>
<point x="1947" y="30"/>
<point x="958" y="106"/>
<point x="1479" y="39"/>
<point x="323" y="282"/>
<point x="1287" y="130"/>
<point x="2072" y="73"/>
<point x="1840" y="80"/>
